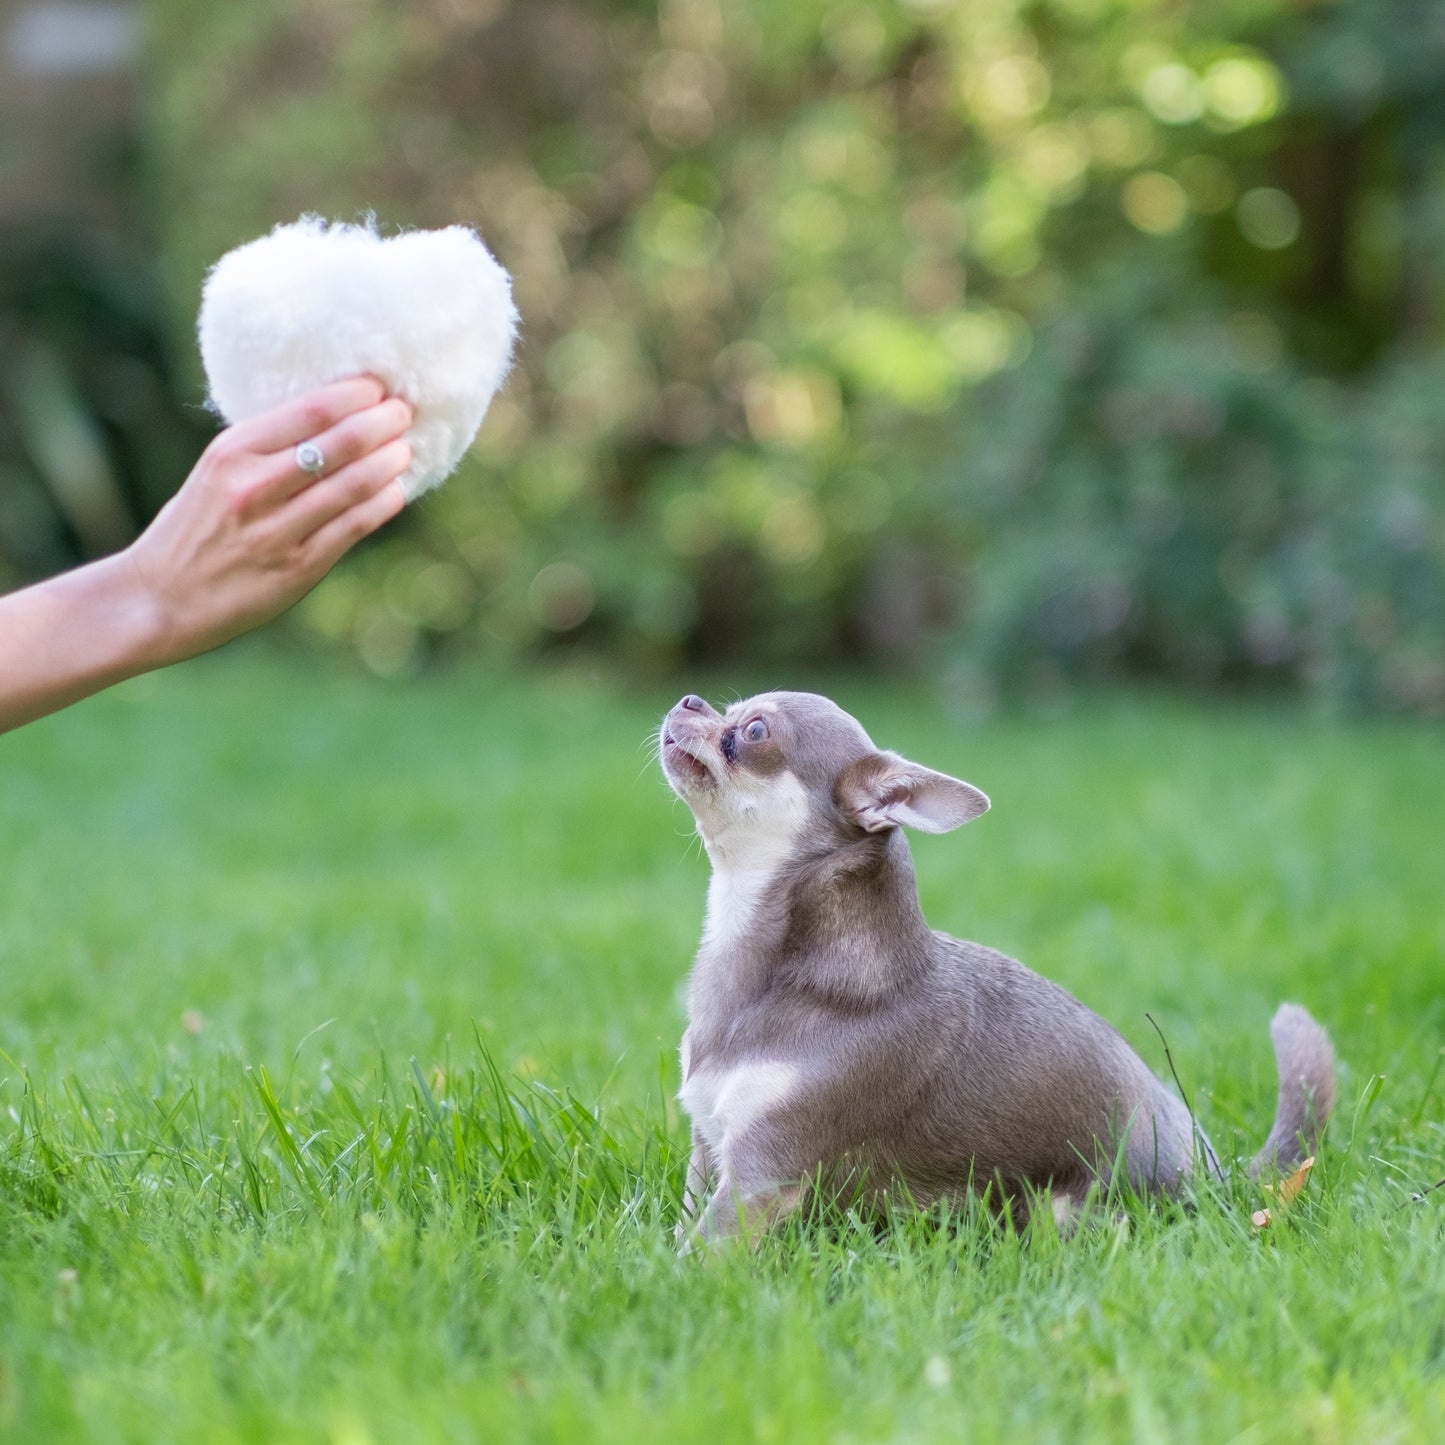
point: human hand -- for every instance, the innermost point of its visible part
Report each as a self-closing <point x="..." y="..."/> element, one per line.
<point x="249" y="533"/>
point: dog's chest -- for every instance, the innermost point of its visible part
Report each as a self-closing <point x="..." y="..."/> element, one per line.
<point x="749" y="853"/>
<point x="723" y="1103"/>
<point x="732" y="899"/>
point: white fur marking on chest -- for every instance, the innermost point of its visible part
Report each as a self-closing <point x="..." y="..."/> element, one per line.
<point x="747" y="850"/>
<point x="721" y="1105"/>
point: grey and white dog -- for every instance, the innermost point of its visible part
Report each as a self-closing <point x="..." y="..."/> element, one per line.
<point x="832" y="1035"/>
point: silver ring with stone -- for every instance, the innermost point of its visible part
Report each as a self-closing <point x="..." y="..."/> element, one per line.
<point x="310" y="459"/>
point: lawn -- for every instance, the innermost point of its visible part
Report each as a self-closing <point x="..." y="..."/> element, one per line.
<point x="337" y="1045"/>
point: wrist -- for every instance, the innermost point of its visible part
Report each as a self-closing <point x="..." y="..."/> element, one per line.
<point x="134" y="627"/>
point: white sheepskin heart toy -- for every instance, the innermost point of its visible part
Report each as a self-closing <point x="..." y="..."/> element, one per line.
<point x="429" y="313"/>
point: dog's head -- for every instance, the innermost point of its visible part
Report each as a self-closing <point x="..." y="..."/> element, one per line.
<point x="793" y="767"/>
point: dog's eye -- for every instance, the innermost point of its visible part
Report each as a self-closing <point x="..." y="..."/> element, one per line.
<point x="755" y="731"/>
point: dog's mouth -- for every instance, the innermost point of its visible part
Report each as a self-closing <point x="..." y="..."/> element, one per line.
<point x="682" y="758"/>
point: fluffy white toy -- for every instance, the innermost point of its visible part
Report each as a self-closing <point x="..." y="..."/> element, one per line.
<point x="429" y="313"/>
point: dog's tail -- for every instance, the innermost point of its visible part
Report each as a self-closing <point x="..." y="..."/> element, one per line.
<point x="1306" y="1063"/>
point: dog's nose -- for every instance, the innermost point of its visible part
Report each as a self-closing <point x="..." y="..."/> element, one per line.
<point x="693" y="703"/>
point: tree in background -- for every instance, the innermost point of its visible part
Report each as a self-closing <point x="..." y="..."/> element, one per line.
<point x="1057" y="339"/>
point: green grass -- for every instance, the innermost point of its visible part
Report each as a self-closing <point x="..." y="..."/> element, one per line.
<point x="339" y="1024"/>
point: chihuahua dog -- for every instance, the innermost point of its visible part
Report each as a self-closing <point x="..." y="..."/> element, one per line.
<point x="833" y="1037"/>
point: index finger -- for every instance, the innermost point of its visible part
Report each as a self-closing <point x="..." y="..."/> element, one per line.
<point x="307" y="416"/>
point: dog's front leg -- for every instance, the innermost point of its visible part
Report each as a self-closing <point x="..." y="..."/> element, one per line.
<point x="700" y="1173"/>
<point x="734" y="1213"/>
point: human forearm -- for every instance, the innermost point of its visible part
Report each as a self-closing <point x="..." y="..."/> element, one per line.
<point x="63" y="639"/>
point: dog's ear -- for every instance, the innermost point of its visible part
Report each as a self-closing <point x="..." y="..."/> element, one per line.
<point x="883" y="790"/>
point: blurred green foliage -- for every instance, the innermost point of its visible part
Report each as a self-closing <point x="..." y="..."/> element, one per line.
<point x="1037" y="339"/>
<point x="94" y="433"/>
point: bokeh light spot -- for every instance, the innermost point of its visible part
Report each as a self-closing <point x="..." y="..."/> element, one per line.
<point x="1208" y="182"/>
<point x="1154" y="202"/>
<point x="1172" y="92"/>
<point x="1268" y="218"/>
<point x="1243" y="90"/>
<point x="561" y="596"/>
